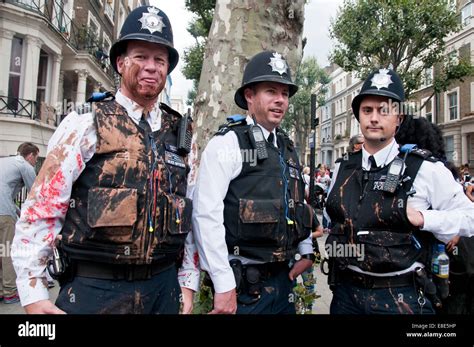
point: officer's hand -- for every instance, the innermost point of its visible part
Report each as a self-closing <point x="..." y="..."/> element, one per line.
<point x="300" y="266"/>
<point x="225" y="303"/>
<point x="415" y="217"/>
<point x="187" y="297"/>
<point x="43" y="307"/>
<point x="452" y="243"/>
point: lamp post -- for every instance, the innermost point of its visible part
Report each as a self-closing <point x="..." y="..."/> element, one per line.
<point x="312" y="155"/>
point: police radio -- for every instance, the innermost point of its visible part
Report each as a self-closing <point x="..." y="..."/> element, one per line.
<point x="185" y="134"/>
<point x="393" y="176"/>
<point x="258" y="142"/>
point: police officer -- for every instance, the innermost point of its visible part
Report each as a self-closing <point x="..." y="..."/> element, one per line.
<point x="113" y="185"/>
<point x="249" y="213"/>
<point x="385" y="205"/>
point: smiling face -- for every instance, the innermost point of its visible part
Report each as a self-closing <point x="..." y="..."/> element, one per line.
<point x="143" y="67"/>
<point x="379" y="119"/>
<point x="268" y="101"/>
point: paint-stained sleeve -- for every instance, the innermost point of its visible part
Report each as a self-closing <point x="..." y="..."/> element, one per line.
<point x="43" y="213"/>
<point x="221" y="162"/>
<point x="446" y="210"/>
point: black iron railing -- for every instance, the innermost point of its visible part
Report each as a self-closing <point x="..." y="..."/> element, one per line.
<point x="17" y="107"/>
<point x="82" y="39"/>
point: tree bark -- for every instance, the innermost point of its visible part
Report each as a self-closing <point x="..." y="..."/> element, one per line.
<point x="241" y="29"/>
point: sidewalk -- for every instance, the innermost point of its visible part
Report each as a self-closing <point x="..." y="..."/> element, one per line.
<point x="322" y="304"/>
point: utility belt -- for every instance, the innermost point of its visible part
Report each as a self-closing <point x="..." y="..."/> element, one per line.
<point x="128" y="272"/>
<point x="64" y="269"/>
<point x="250" y="278"/>
<point x="373" y="282"/>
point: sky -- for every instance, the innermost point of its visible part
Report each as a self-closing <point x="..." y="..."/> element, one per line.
<point x="317" y="19"/>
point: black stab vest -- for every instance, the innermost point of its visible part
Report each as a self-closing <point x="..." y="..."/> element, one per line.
<point x="374" y="222"/>
<point x="124" y="209"/>
<point x="264" y="212"/>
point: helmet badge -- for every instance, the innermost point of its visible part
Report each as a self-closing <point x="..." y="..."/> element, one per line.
<point x="381" y="79"/>
<point x="278" y="64"/>
<point x="151" y="21"/>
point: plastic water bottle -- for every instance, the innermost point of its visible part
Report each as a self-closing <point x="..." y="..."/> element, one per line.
<point x="440" y="270"/>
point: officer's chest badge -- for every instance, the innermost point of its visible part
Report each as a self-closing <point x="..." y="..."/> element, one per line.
<point x="151" y="21"/>
<point x="278" y="64"/>
<point x="381" y="79"/>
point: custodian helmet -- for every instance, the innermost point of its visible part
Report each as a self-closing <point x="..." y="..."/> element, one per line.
<point x="146" y="23"/>
<point x="264" y="67"/>
<point x="383" y="82"/>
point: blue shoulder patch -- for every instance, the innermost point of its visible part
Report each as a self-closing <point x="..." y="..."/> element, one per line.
<point x="101" y="96"/>
<point x="235" y="118"/>
<point x="408" y="147"/>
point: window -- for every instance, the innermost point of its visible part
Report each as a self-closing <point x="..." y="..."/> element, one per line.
<point x="466" y="14"/>
<point x="427" y="111"/>
<point x="453" y="57"/>
<point x="42" y="78"/>
<point x="109" y="9"/>
<point x="121" y="19"/>
<point x="428" y="77"/>
<point x="103" y="54"/>
<point x="452" y="5"/>
<point x="453" y="105"/>
<point x="93" y="26"/>
<point x="449" y="147"/>
<point x="14" y="77"/>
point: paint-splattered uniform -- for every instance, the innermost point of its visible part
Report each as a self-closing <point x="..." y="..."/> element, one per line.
<point x="109" y="218"/>
<point x="376" y="274"/>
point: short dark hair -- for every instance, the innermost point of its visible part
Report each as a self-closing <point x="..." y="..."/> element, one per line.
<point x="26" y="148"/>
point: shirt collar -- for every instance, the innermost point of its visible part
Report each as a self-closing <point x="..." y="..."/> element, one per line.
<point x="382" y="157"/>
<point x="135" y="111"/>
<point x="265" y="131"/>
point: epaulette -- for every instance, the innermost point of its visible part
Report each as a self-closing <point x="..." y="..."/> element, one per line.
<point x="101" y="96"/>
<point x="169" y="110"/>
<point x="234" y="120"/>
<point x="424" y="153"/>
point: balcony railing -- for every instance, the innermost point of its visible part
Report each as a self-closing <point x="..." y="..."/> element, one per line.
<point x="80" y="39"/>
<point x="19" y="108"/>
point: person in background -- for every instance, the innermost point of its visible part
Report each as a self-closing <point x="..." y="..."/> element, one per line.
<point x="15" y="172"/>
<point x="355" y="143"/>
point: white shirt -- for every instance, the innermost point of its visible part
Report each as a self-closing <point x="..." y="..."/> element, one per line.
<point x="72" y="145"/>
<point x="451" y="213"/>
<point x="221" y="162"/>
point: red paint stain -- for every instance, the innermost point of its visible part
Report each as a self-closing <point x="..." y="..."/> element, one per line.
<point x="46" y="206"/>
<point x="79" y="161"/>
<point x="196" y="259"/>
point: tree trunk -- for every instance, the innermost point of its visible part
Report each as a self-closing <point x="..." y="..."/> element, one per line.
<point x="241" y="29"/>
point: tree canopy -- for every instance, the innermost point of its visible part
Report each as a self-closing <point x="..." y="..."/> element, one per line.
<point x="408" y="35"/>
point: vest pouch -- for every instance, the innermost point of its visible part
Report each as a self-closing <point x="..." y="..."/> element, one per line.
<point x="259" y="221"/>
<point x="177" y="213"/>
<point x="385" y="251"/>
<point x="111" y="214"/>
<point x="304" y="220"/>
